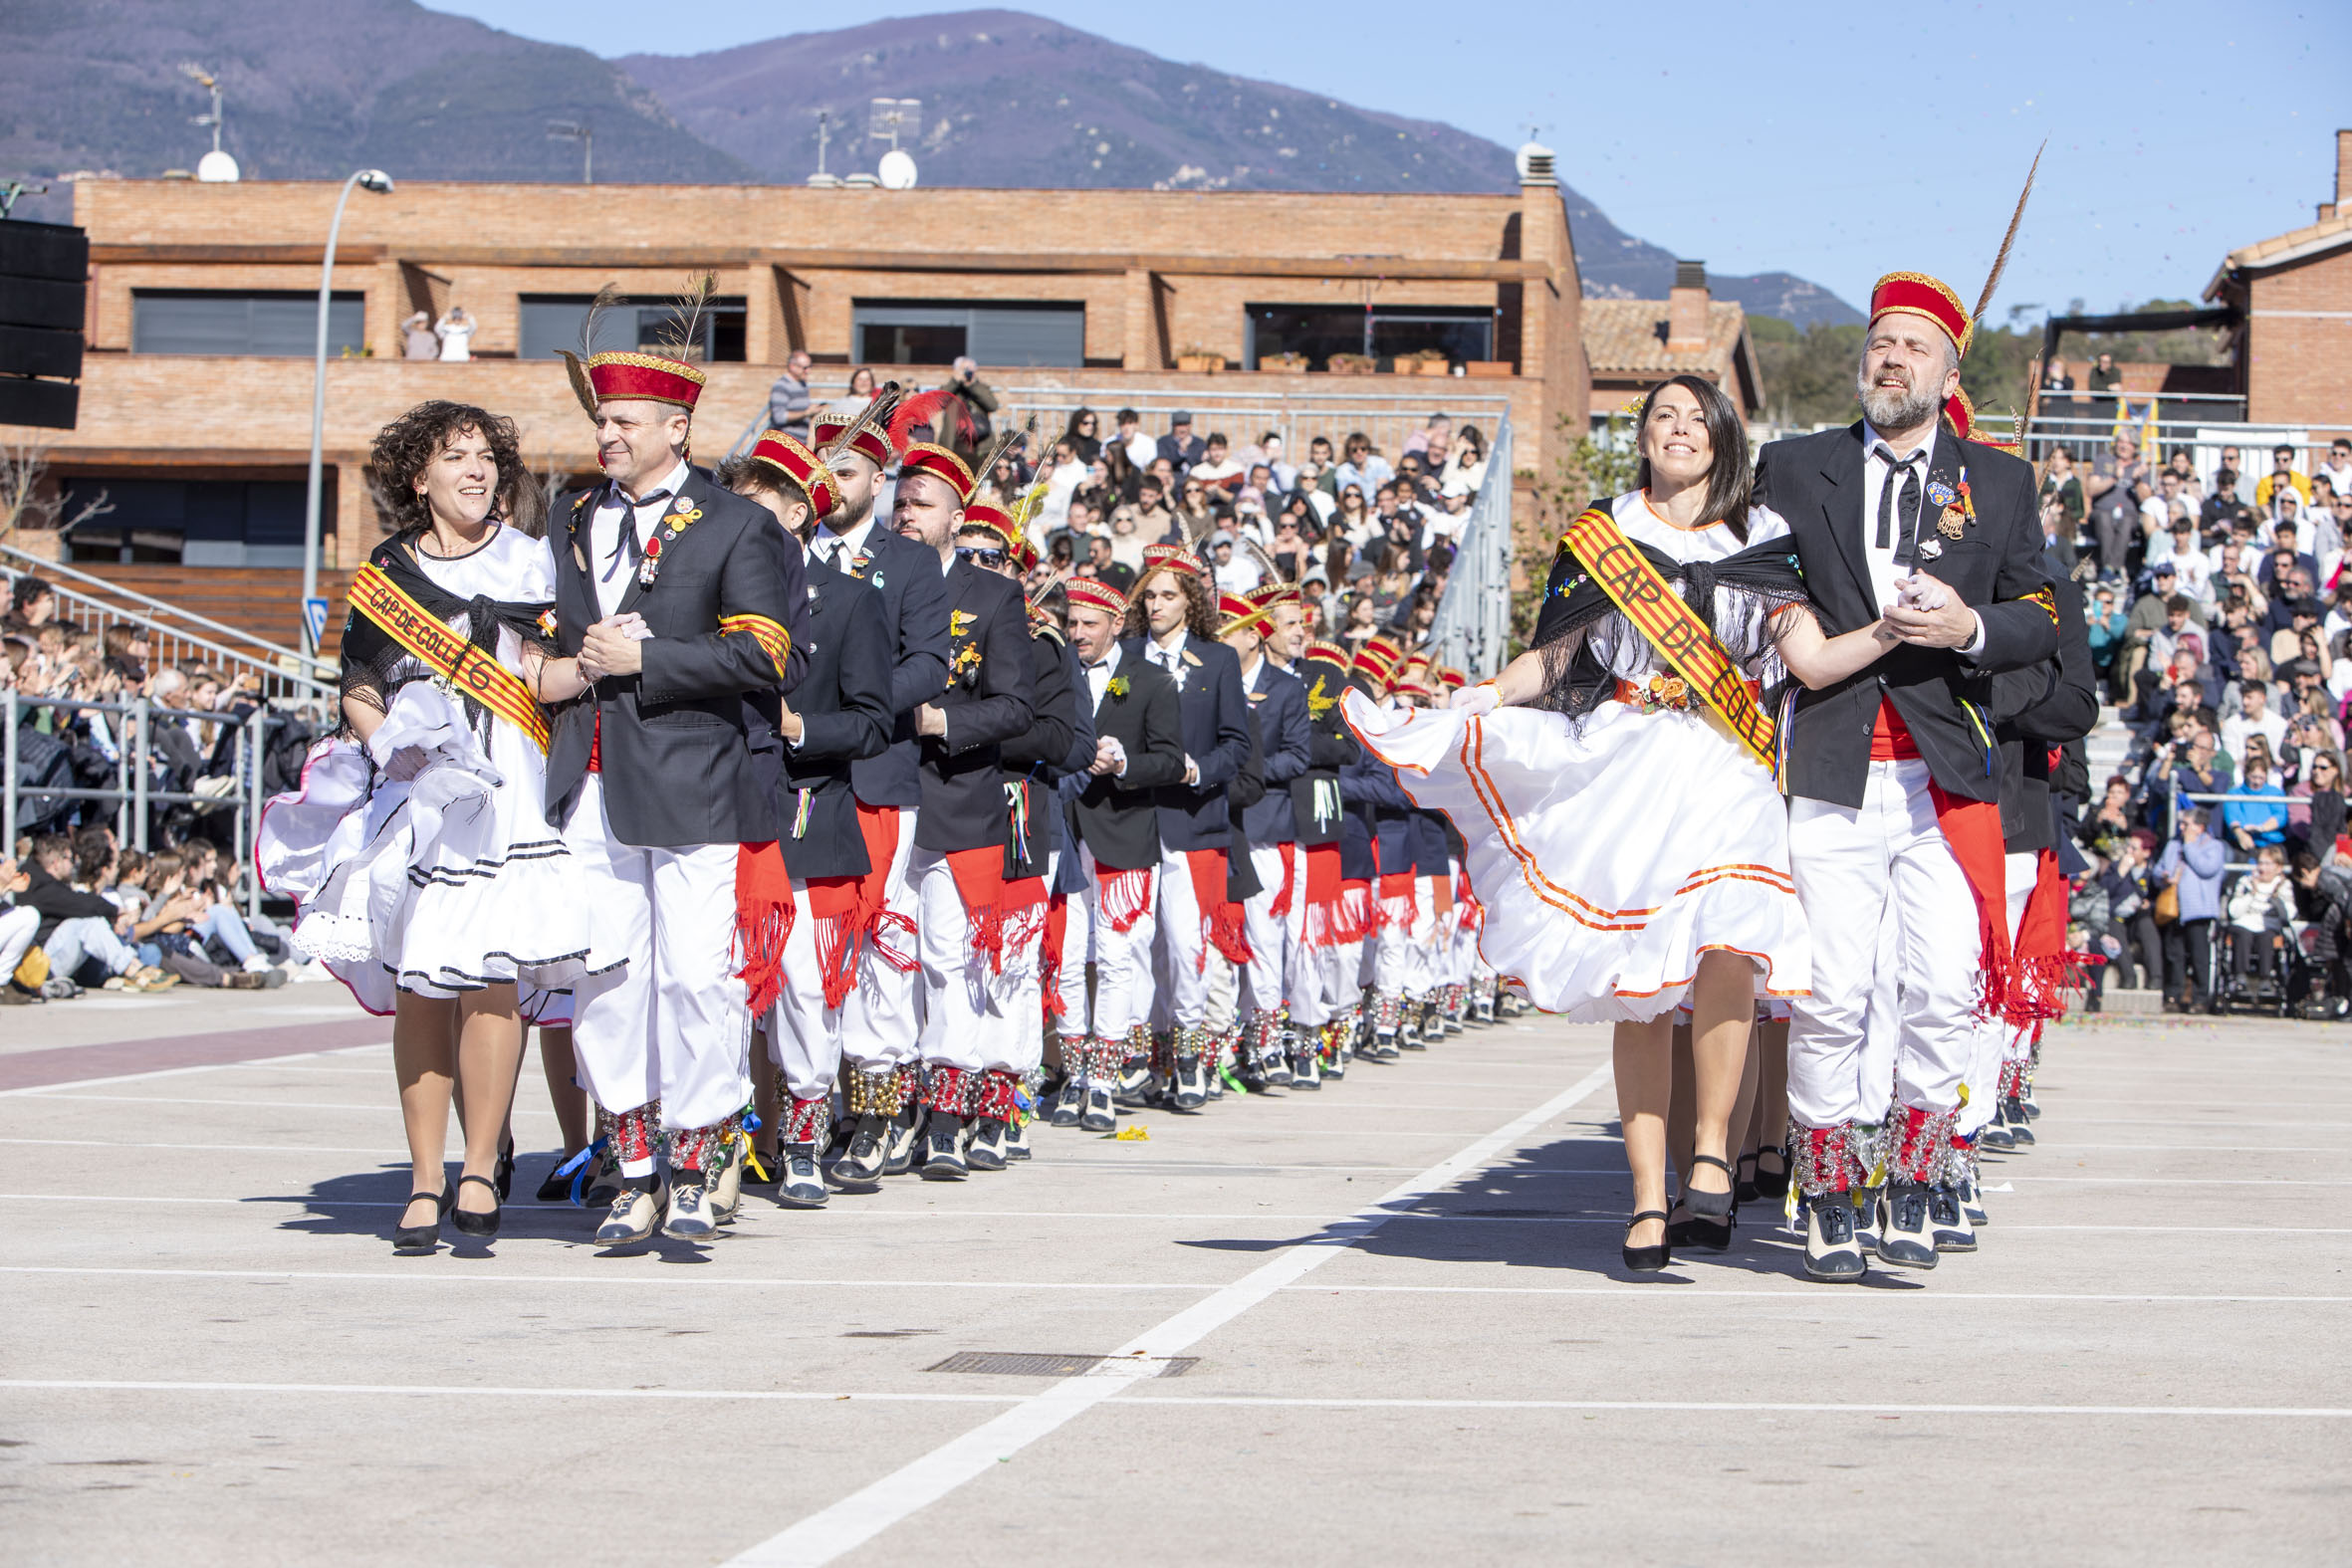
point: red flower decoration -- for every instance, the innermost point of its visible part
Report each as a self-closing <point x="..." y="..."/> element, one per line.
<point x="653" y="545"/>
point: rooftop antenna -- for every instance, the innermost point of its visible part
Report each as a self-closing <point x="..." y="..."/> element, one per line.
<point x="891" y="117"/>
<point x="581" y="131"/>
<point x="825" y="132"/>
<point x="11" y="190"/>
<point x="216" y="167"/>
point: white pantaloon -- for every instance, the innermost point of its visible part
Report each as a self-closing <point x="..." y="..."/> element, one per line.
<point x="1180" y="960"/>
<point x="881" y="1021"/>
<point x="804" y="1034"/>
<point x="672" y="1024"/>
<point x="1271" y="936"/>
<point x="1998" y="1040"/>
<point x="1883" y="867"/>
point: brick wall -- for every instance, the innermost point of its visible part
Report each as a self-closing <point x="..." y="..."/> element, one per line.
<point x="2299" y="353"/>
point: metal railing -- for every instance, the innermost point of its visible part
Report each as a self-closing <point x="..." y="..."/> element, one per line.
<point x="1242" y="413"/>
<point x="2202" y="427"/>
<point x="174" y="635"/>
<point x="1473" y="626"/>
<point x="2172" y="818"/>
<point x="136" y="795"/>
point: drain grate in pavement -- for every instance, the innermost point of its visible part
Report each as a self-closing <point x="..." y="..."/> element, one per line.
<point x="1024" y="1364"/>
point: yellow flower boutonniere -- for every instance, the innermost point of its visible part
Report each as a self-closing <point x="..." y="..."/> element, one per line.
<point x="1119" y="685"/>
<point x="959" y="622"/>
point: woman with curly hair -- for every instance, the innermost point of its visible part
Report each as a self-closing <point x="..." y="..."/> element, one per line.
<point x="429" y="879"/>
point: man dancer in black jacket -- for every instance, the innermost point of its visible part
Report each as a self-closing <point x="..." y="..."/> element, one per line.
<point x="1114" y="820"/>
<point x="1171" y="622"/>
<point x="1330" y="937"/>
<point x="958" y="865"/>
<point x="994" y="539"/>
<point x="881" y="1021"/>
<point x="673" y="598"/>
<point x="1894" y="774"/>
<point x="838" y="714"/>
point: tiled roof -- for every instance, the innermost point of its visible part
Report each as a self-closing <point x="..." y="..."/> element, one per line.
<point x="2278" y="246"/>
<point x="1628" y="338"/>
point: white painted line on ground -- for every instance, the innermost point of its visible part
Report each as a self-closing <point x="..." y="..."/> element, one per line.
<point x="618" y="1275"/>
<point x="867" y="1512"/>
<point x="50" y="1090"/>
<point x="288" y="1105"/>
<point x="221" y="1148"/>
<point x="1180" y="1400"/>
<point x="1813" y="1295"/>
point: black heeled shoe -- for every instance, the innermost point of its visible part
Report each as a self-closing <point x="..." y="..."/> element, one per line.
<point x="1645" y="1259"/>
<point x="1712" y="1205"/>
<point x="424" y="1238"/>
<point x="502" y="1175"/>
<point x="472" y="1223"/>
<point x="1743" y="1186"/>
<point x="1771" y="1183"/>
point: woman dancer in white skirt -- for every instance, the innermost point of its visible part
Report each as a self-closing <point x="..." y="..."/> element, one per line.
<point x="419" y="847"/>
<point x="1631" y="851"/>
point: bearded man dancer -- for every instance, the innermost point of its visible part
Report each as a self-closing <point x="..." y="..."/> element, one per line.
<point x="1894" y="776"/>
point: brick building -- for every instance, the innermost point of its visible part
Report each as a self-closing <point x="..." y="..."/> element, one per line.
<point x="1635" y="343"/>
<point x="195" y="414"/>
<point x="2293" y="292"/>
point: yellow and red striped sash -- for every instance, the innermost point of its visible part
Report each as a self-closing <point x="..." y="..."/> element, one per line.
<point x="472" y="671"/>
<point x="772" y="639"/>
<point x="1644" y="596"/>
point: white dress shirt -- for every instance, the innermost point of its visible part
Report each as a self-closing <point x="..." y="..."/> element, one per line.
<point x="1878" y="457"/>
<point x="839" y="549"/>
<point x="1100" y="673"/>
<point x="1169" y="659"/>
<point x="611" y="562"/>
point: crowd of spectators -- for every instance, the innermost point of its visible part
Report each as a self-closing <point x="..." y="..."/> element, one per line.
<point x="2219" y="618"/>
<point x="78" y="909"/>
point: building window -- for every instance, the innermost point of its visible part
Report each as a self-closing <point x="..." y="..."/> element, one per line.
<point x="196" y="522"/>
<point x="277" y="323"/>
<point x="553" y="320"/>
<point x="1385" y="332"/>
<point x="935" y="331"/>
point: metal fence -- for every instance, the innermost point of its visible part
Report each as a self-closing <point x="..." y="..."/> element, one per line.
<point x="133" y="796"/>
<point x="2172" y="818"/>
<point x="2203" y="427"/>
<point x="1473" y="625"/>
<point x="1241" y="413"/>
<point x="174" y="635"/>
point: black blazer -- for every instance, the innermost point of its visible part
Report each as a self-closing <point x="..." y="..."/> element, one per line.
<point x="1330" y="746"/>
<point x="1216" y="738"/>
<point x="1995" y="567"/>
<point x="990" y="699"/>
<point x="1034" y="758"/>
<point x="843" y="704"/>
<point x="675" y="746"/>
<point x="914" y="607"/>
<point x="1118" y="819"/>
<point x="2049" y="706"/>
<point x="1277" y="702"/>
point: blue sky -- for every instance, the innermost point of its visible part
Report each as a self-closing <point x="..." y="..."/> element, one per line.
<point x="1836" y="141"/>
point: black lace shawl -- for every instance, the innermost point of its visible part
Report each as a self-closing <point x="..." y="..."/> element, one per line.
<point x="371" y="656"/>
<point x="1762" y="579"/>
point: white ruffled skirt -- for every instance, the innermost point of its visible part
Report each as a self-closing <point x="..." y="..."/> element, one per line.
<point x="448" y="882"/>
<point x="1609" y="853"/>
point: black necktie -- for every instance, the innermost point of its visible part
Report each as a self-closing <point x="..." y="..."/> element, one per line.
<point x="1886" y="508"/>
<point x="629" y="545"/>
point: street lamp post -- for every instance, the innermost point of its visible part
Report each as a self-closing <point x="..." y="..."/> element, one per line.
<point x="381" y="183"/>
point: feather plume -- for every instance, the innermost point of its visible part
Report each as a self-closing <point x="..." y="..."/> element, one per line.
<point x="997" y="449"/>
<point x="926" y="408"/>
<point x="1024" y="509"/>
<point x="1047" y="584"/>
<point x="870" y="417"/>
<point x="680" y="337"/>
<point x="1266" y="562"/>
<point x="2000" y="259"/>
<point x="589" y="320"/>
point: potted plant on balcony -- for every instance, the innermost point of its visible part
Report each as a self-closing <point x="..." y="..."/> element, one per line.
<point x="1352" y="365"/>
<point x="1423" y="362"/>
<point x="1478" y="369"/>
<point x="1291" y="363"/>
<point x="1196" y="360"/>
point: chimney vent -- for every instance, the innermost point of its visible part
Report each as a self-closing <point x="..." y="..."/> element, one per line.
<point x="1535" y="165"/>
<point x="1686" y="309"/>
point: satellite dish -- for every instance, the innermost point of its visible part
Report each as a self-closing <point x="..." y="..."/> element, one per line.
<point x="897" y="170"/>
<point x="216" y="168"/>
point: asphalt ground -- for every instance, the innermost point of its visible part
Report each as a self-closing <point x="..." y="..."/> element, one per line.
<point x="1409" y="1334"/>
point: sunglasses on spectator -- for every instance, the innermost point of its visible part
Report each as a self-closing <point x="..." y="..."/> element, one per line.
<point x="982" y="555"/>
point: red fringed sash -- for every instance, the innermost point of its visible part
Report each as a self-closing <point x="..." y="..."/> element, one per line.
<point x="1221" y="924"/>
<point x="763" y="921"/>
<point x="1050" y="957"/>
<point x="1127" y="895"/>
<point x="1281" y="908"/>
<point x="980" y="881"/>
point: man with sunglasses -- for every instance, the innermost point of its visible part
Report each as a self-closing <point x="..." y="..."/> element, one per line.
<point x="958" y="864"/>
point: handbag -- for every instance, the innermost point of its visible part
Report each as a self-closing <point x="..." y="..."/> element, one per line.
<point x="2168" y="904"/>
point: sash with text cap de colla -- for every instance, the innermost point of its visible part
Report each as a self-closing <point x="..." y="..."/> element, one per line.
<point x="1644" y="597"/>
<point x="473" y="669"/>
